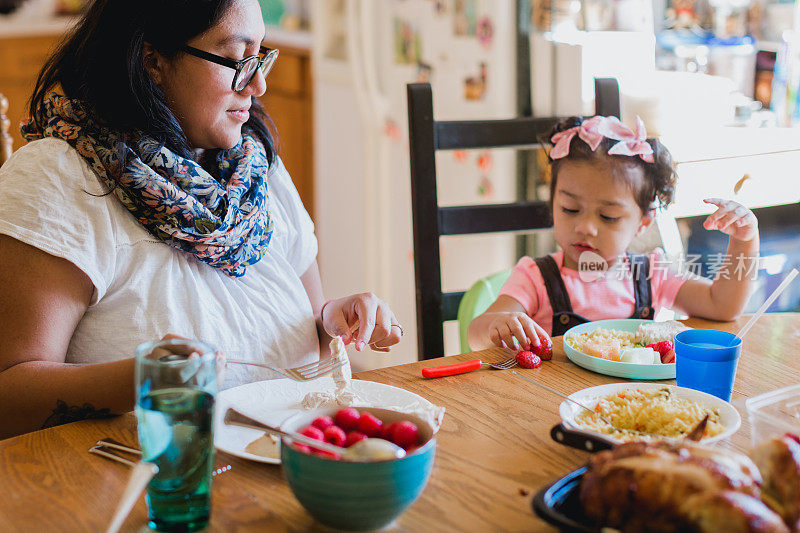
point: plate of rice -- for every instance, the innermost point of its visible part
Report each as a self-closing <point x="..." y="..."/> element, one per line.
<point x="581" y="345"/>
<point x="667" y="411"/>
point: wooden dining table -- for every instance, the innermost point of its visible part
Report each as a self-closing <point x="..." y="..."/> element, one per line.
<point x="494" y="449"/>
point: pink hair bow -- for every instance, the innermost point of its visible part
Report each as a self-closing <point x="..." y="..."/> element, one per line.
<point x="630" y="143"/>
<point x="586" y="131"/>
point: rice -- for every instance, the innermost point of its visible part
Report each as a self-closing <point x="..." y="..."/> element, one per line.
<point x="657" y="411"/>
<point x="626" y="338"/>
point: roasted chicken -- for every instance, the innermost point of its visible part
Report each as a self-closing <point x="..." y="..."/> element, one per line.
<point x="779" y="463"/>
<point x="662" y="487"/>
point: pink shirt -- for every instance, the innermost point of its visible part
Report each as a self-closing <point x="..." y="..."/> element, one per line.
<point x="609" y="297"/>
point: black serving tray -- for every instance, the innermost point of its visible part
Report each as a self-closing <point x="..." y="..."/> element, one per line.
<point x="559" y="504"/>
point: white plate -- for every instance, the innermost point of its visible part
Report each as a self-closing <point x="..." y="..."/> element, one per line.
<point x="272" y="402"/>
<point x="729" y="416"/>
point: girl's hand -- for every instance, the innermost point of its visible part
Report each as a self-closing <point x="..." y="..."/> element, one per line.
<point x="377" y="325"/>
<point x="732" y="218"/>
<point x="515" y="330"/>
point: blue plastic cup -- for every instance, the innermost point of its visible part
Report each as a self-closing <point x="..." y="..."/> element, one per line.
<point x="706" y="360"/>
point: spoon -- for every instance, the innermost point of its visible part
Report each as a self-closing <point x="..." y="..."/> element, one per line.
<point x="364" y="451"/>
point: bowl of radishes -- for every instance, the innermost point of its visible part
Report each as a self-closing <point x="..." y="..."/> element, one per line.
<point x="357" y="496"/>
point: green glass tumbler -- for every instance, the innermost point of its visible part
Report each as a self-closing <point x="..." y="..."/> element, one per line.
<point x="176" y="385"/>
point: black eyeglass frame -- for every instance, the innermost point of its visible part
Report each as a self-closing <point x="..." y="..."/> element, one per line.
<point x="269" y="54"/>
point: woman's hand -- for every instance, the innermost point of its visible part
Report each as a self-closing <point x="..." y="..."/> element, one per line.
<point x="515" y="330"/>
<point x="220" y="361"/>
<point x="732" y="218"/>
<point x="377" y="325"/>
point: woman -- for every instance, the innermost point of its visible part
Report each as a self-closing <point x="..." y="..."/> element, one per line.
<point x="150" y="201"/>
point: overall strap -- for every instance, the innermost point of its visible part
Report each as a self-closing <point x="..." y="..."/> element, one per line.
<point x="554" y="283"/>
<point x="642" y="293"/>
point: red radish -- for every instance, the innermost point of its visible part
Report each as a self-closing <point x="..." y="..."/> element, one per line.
<point x="370" y="425"/>
<point x="347" y="418"/>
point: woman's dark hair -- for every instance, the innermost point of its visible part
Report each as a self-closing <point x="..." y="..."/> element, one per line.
<point x="101" y="63"/>
<point x="659" y="176"/>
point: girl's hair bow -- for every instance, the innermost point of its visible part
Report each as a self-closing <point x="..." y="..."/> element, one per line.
<point x="586" y="131"/>
<point x="594" y="129"/>
<point x="630" y="143"/>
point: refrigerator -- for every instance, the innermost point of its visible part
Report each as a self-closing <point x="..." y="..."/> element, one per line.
<point x="364" y="53"/>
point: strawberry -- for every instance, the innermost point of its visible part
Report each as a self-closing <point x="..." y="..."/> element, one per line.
<point x="545" y="348"/>
<point x="388" y="430"/>
<point x="405" y="434"/>
<point x="335" y="435"/>
<point x="528" y="359"/>
<point x="322" y="422"/>
<point x="327" y="455"/>
<point x="347" y="418"/>
<point x="301" y="448"/>
<point x="353" y="437"/>
<point x="793" y="437"/>
<point x="369" y="425"/>
<point x="662" y="347"/>
<point x="313" y="432"/>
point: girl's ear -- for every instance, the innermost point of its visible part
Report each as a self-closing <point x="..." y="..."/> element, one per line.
<point x="645" y="223"/>
<point x="153" y="62"/>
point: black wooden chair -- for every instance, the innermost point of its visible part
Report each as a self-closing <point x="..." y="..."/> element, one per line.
<point x="430" y="221"/>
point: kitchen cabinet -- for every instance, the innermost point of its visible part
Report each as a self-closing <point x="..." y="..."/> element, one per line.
<point x="289" y="102"/>
<point x="21" y="59"/>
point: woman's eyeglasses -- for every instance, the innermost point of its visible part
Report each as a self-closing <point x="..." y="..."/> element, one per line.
<point x="245" y="69"/>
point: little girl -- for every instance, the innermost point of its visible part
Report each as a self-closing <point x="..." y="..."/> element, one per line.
<point x="607" y="181"/>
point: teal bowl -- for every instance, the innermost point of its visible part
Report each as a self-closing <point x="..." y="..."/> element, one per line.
<point x="357" y="496"/>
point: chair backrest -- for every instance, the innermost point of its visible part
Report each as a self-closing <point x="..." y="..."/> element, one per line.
<point x="6" y="142"/>
<point x="476" y="301"/>
<point x="430" y="221"/>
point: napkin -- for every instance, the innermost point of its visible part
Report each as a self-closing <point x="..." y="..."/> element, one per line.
<point x="343" y="394"/>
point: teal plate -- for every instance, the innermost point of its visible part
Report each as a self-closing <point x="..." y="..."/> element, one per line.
<point x="615" y="368"/>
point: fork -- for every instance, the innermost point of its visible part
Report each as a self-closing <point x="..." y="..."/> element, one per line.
<point x="105" y="445"/>
<point x="299" y="373"/>
<point x="466" y="366"/>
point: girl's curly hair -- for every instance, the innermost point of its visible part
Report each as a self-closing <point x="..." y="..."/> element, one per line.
<point x="659" y="176"/>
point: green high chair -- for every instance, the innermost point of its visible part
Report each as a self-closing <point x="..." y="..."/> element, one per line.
<point x="476" y="301"/>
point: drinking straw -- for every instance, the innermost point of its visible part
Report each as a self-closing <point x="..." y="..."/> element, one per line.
<point x="777" y="292"/>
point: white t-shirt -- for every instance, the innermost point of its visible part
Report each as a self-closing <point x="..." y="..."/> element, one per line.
<point x="144" y="288"/>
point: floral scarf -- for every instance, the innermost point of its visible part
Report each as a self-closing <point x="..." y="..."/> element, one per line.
<point x="222" y="221"/>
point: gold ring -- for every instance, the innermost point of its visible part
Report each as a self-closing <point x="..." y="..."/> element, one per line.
<point x="398" y="327"/>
